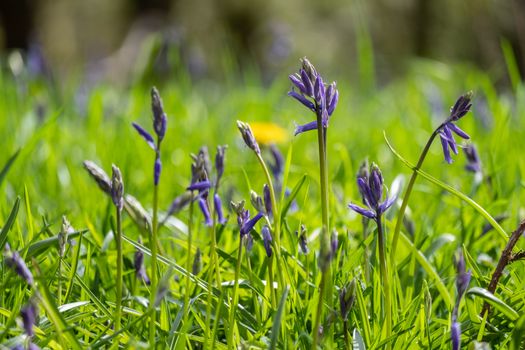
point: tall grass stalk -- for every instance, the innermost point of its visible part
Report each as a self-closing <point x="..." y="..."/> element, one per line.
<point x="234" y="299"/>
<point x="154" y="281"/>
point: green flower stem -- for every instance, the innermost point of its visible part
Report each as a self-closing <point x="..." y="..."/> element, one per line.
<point x="188" y="262"/>
<point x="214" y="267"/>
<point x="406" y="196"/>
<point x="118" y="294"/>
<point x="387" y="311"/>
<point x="233" y="305"/>
<point x="153" y="247"/>
<point x="276" y="220"/>
<point x="326" y="274"/>
<point x="270" y="279"/>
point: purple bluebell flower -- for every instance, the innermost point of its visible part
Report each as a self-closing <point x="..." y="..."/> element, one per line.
<point x="334" y="244"/>
<point x="248" y="137"/>
<point x="140" y="270"/>
<point x="179" y="203"/>
<point x="463" y="276"/>
<point x="460" y="108"/>
<point x="145" y="135"/>
<point x="347" y="298"/>
<point x="203" y="205"/>
<point x="314" y="94"/>
<point x="473" y="160"/>
<point x="267" y="200"/>
<point x="157" y="169"/>
<point x="159" y="117"/>
<point x="117" y="188"/>
<point x="371" y="189"/>
<point x="99" y="175"/>
<point x="244" y="221"/>
<point x="15" y="261"/>
<point x="218" y="209"/>
<point x="219" y="162"/>
<point x="455" y="335"/>
<point x="267" y="240"/>
<point x="257" y="202"/>
<point x="29" y="315"/>
<point x="277" y="167"/>
<point x="303" y="241"/>
<point x="199" y="186"/>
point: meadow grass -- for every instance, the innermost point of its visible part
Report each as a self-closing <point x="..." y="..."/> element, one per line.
<point x="46" y="133"/>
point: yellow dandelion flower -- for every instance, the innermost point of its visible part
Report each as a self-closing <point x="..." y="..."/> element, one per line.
<point x="267" y="133"/>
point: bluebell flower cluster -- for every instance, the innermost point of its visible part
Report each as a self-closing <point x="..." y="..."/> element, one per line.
<point x="370" y="184"/>
<point x="460" y="108"/>
<point x="311" y="91"/>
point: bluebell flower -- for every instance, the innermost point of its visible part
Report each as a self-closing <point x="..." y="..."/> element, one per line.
<point x="303" y="241"/>
<point x="29" y="314"/>
<point x="347" y="298"/>
<point x="138" y="263"/>
<point x="473" y="160"/>
<point x="219" y="162"/>
<point x="15" y="261"/>
<point x="314" y="94"/>
<point x="117" y="188"/>
<point x="244" y="221"/>
<point x="277" y="167"/>
<point x="455" y="335"/>
<point x="267" y="240"/>
<point x="248" y="137"/>
<point x="203" y="205"/>
<point x="371" y="189"/>
<point x="218" y="209"/>
<point x="460" y="108"/>
<point x="267" y="200"/>
<point x="199" y="186"/>
<point x="99" y="175"/>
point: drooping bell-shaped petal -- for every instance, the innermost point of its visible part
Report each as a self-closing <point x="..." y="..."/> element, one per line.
<point x="365" y="212"/>
<point x="199" y="186"/>
<point x="458" y="131"/>
<point x="267" y="200"/>
<point x="219" y="161"/>
<point x="203" y="205"/>
<point x="248" y="137"/>
<point x="455" y="335"/>
<point x="248" y="225"/>
<point x="474" y="162"/>
<point x="307" y="82"/>
<point x="29" y="315"/>
<point x="267" y="240"/>
<point x="145" y="135"/>
<point x="140" y="270"/>
<point x="299" y="129"/>
<point x="218" y="209"/>
<point x="301" y="98"/>
<point x="297" y="82"/>
<point x="157" y="169"/>
<point x="15" y="261"/>
<point x="159" y="117"/>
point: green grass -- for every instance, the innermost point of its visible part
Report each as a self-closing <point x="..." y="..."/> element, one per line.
<point x="43" y="166"/>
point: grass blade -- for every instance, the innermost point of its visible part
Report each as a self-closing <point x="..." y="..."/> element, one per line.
<point x="7" y="166"/>
<point x="494" y="301"/>
<point x="9" y="223"/>
<point x="278" y="319"/>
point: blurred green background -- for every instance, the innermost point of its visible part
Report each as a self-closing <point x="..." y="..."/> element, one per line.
<point x="115" y="39"/>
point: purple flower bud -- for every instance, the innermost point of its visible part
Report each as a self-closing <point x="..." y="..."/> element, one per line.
<point x="277" y="166"/>
<point x="29" y="314"/>
<point x="219" y="161"/>
<point x="179" y="203"/>
<point x="248" y="241"/>
<point x="140" y="270"/>
<point x="299" y="129"/>
<point x="248" y="225"/>
<point x="346" y="299"/>
<point x="461" y="107"/>
<point x="309" y="69"/>
<point x="370" y="184"/>
<point x="159" y="117"/>
<point x="157" y="169"/>
<point x="334" y="243"/>
<point x="474" y="162"/>
<point x="307" y="82"/>
<point x="267" y="200"/>
<point x="299" y="97"/>
<point x="257" y="202"/>
<point x="218" y="209"/>
<point x="15" y="261"/>
<point x="319" y="91"/>
<point x="203" y="205"/>
<point x="117" y="188"/>
<point x="145" y="135"/>
<point x="267" y="240"/>
<point x="303" y="241"/>
<point x="297" y="81"/>
<point x="463" y="277"/>
<point x="247" y="135"/>
<point x="99" y="176"/>
<point x="199" y="186"/>
<point x="455" y="335"/>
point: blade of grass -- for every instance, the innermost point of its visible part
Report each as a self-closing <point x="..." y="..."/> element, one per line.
<point x="9" y="223"/>
<point x="278" y="319"/>
<point x="494" y="301"/>
<point x="7" y="166"/>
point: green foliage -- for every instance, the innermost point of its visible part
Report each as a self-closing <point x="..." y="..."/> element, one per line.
<point x="42" y="159"/>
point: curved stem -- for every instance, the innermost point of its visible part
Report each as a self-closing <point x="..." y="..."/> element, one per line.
<point x="214" y="265"/>
<point x="319" y="313"/>
<point x="387" y="310"/>
<point x="118" y="294"/>
<point x="408" y="191"/>
<point x="233" y="306"/>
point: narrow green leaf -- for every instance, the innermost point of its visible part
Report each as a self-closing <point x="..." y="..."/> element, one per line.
<point x="7" y="166"/>
<point x="29" y="215"/>
<point x="292" y="196"/>
<point x="278" y="319"/>
<point x="9" y="223"/>
<point x="518" y="335"/>
<point x="494" y="301"/>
